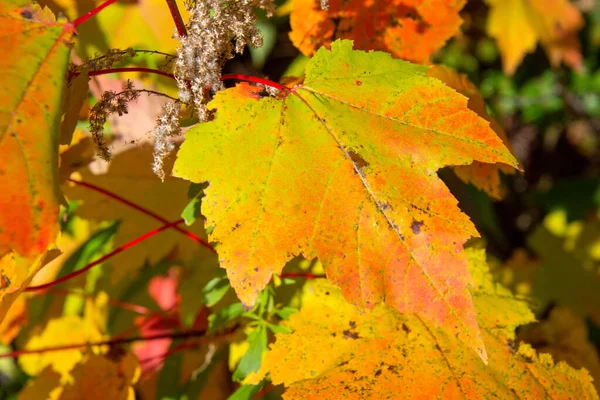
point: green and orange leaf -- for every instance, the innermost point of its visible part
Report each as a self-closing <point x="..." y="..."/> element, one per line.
<point x="33" y="65"/>
<point x="343" y="168"/>
<point x="335" y="350"/>
<point x="409" y="29"/>
<point x="483" y="176"/>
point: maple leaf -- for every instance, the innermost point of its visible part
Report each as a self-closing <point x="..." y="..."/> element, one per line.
<point x="517" y="26"/>
<point x="335" y="350"/>
<point x="564" y="335"/>
<point x="66" y="330"/>
<point x="36" y="48"/>
<point x="130" y="177"/>
<point x="483" y="176"/>
<point x="343" y="168"/>
<point x="408" y="29"/>
<point x="95" y="377"/>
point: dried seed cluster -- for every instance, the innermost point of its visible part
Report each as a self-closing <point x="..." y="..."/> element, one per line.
<point x="217" y="29"/>
<point x="110" y="103"/>
<point x="167" y="127"/>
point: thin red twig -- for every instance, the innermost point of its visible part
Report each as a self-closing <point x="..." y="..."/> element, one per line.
<point x="264" y="391"/>
<point x="179" y="24"/>
<point x="254" y="79"/>
<point x="104" y="258"/>
<point x="110" y="342"/>
<point x="131" y="69"/>
<point x="93" y="12"/>
<point x="143" y="210"/>
<point x="136" y="308"/>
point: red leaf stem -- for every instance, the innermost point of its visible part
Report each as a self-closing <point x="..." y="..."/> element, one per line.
<point x="130" y="69"/>
<point x="264" y="391"/>
<point x="113" y="342"/>
<point x="254" y="79"/>
<point x="143" y="210"/>
<point x="179" y="24"/>
<point x="104" y="258"/>
<point x="93" y="12"/>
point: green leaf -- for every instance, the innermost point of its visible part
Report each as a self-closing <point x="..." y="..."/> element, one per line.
<point x="221" y="318"/>
<point x="250" y="362"/>
<point x="214" y="291"/>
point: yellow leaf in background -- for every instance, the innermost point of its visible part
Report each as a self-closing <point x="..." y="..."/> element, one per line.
<point x="101" y="378"/>
<point x="67" y="330"/>
<point x="95" y="377"/>
<point x="14" y="320"/>
<point x="130" y="176"/>
<point x="337" y="351"/>
<point x="483" y="176"/>
<point x="517" y="26"/>
<point x="564" y="335"/>
<point x="568" y="273"/>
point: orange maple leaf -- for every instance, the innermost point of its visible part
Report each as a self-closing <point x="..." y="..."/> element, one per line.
<point x="408" y="29"/>
<point x="34" y="62"/>
<point x="344" y="170"/>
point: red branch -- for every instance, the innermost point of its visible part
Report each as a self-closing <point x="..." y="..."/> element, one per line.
<point x="131" y="69"/>
<point x="177" y="18"/>
<point x="143" y="210"/>
<point x="104" y="258"/>
<point x="93" y="12"/>
<point x="111" y="342"/>
<point x="263" y="392"/>
<point x="305" y="275"/>
<point x="254" y="79"/>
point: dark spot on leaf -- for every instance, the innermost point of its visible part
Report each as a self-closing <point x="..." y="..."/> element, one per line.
<point x="358" y="83"/>
<point x="416" y="226"/>
<point x="352" y="324"/>
<point x="326" y="293"/>
<point x="378" y="372"/>
<point x="358" y="160"/>
<point x="255" y="269"/>
<point x="4" y="281"/>
<point x="405" y="328"/>
<point x="27" y="14"/>
<point x="348" y="334"/>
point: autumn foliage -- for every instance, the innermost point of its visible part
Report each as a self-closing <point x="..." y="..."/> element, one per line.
<point x="174" y="224"/>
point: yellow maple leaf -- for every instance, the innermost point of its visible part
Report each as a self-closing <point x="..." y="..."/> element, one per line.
<point x="565" y="336"/>
<point x="337" y="351"/>
<point x="95" y="377"/>
<point x="66" y="330"/>
<point x="518" y="25"/>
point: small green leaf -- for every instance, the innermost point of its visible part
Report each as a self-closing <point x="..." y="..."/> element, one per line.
<point x="250" y="362"/>
<point x="217" y="320"/>
<point x="214" y="290"/>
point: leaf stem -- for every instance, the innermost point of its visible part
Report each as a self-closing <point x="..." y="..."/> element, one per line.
<point x="254" y="79"/>
<point x="143" y="210"/>
<point x="104" y="258"/>
<point x="131" y="69"/>
<point x="93" y="12"/>
<point x="179" y="24"/>
<point x="112" y="342"/>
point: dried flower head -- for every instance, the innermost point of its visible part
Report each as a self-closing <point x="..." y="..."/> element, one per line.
<point x="110" y="103"/>
<point x="167" y="127"/>
<point x="217" y="29"/>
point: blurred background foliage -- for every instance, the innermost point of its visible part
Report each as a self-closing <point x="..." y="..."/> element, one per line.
<point x="543" y="237"/>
